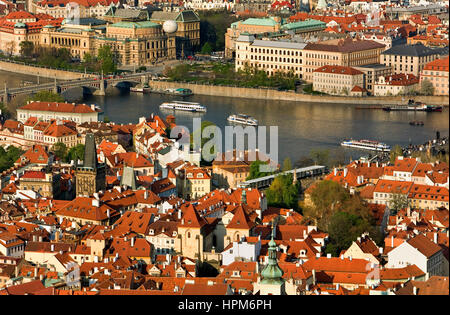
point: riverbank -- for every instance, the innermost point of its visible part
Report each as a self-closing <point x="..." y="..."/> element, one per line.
<point x="21" y="68"/>
<point x="270" y="94"/>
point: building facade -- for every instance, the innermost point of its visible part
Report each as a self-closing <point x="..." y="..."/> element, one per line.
<point x="436" y="72"/>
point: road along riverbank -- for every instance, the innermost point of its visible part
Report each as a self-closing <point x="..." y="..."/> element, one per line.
<point x="42" y="71"/>
<point x="270" y="94"/>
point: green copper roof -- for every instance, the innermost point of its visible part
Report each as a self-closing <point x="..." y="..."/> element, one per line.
<point x="142" y="24"/>
<point x="260" y="22"/>
<point x="272" y="273"/>
<point x="304" y="24"/>
<point x="19" y="24"/>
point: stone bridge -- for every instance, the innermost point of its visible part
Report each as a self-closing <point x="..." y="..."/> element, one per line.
<point x="95" y="85"/>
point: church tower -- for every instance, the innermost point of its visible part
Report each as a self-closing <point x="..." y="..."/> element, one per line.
<point x="91" y="176"/>
<point x="272" y="282"/>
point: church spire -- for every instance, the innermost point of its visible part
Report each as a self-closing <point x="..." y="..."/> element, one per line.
<point x="244" y="196"/>
<point x="272" y="273"/>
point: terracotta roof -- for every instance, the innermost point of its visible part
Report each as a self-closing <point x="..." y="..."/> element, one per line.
<point x="424" y="245"/>
<point x="58" y="107"/>
<point x="338" y="70"/>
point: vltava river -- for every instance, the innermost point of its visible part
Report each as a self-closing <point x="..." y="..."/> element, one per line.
<point x="301" y="126"/>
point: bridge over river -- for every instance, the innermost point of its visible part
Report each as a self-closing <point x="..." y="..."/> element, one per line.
<point x="96" y="85"/>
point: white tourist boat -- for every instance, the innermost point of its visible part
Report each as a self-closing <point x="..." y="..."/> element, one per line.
<point x="243" y="119"/>
<point x="367" y="145"/>
<point x="184" y="106"/>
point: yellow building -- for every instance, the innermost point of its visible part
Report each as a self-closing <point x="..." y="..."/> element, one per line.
<point x="408" y="58"/>
<point x="269" y="56"/>
<point x="193" y="182"/>
<point x="340" y="52"/>
<point x="337" y="80"/>
<point x="436" y="72"/>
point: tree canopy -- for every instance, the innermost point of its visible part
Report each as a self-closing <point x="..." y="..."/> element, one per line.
<point x="9" y="156"/>
<point x="46" y="96"/>
<point x="283" y="193"/>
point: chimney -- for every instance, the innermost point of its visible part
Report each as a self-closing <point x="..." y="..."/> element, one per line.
<point x="328" y="256"/>
<point x="345" y="172"/>
<point x="35" y="272"/>
<point x="96" y="203"/>
<point x="132" y="242"/>
<point x="335" y="171"/>
<point x="108" y="214"/>
<point x="392" y="241"/>
<point x="145" y="194"/>
<point x="314" y="276"/>
<point x="414" y="290"/>
<point x="52" y="247"/>
<point x="435" y="237"/>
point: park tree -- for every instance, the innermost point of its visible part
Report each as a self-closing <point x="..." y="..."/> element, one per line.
<point x="26" y="48"/>
<point x="395" y="152"/>
<point x="426" y="88"/>
<point x="10" y="47"/>
<point x="304" y="161"/>
<point x="60" y="150"/>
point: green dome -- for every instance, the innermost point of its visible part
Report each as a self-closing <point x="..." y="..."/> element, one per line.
<point x="19" y="25"/>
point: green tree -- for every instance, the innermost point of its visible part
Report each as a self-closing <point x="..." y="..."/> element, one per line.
<point x="395" y="152"/>
<point x="9" y="156"/>
<point x="107" y="60"/>
<point x="75" y="153"/>
<point x="60" y="150"/>
<point x="255" y="171"/>
<point x="26" y="48"/>
<point x="206" y="49"/>
<point x="327" y="197"/>
<point x="426" y="88"/>
<point x="46" y="96"/>
<point x="282" y="192"/>
<point x="397" y="202"/>
<point x="343" y="229"/>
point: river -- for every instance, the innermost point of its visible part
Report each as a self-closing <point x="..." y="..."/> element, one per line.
<point x="301" y="126"/>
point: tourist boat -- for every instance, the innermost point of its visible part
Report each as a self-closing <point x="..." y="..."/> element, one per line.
<point x="407" y="107"/>
<point x="243" y="119"/>
<point x="367" y="145"/>
<point x="416" y="123"/>
<point x="413" y="106"/>
<point x="141" y="89"/>
<point x="184" y="106"/>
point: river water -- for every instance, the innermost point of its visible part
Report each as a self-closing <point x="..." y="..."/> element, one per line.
<point x="301" y="126"/>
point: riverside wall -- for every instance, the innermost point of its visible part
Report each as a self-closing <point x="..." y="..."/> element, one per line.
<point x="42" y="71"/>
<point x="270" y="94"/>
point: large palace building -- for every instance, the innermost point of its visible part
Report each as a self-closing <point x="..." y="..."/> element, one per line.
<point x="135" y="36"/>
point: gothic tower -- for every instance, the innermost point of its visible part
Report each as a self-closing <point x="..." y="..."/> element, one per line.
<point x="91" y="176"/>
